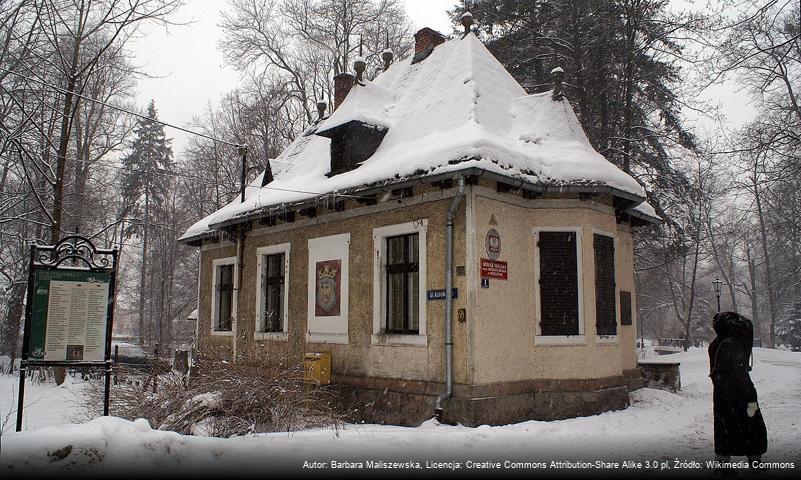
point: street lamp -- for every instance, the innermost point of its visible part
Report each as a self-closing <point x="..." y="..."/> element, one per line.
<point x="718" y="284"/>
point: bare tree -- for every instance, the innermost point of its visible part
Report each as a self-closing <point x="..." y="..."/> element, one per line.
<point x="304" y="43"/>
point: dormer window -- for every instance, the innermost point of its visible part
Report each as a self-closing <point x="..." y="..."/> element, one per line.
<point x="351" y="144"/>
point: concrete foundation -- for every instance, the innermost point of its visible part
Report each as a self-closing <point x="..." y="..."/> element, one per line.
<point x="409" y="403"/>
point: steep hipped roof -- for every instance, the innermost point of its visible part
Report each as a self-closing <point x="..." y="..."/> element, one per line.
<point x="457" y="109"/>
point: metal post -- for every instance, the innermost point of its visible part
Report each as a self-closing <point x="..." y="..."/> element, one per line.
<point x="116" y="362"/>
<point x="21" y="399"/>
<point x="718" y="295"/>
<point x="243" y="151"/>
<point x="26" y="336"/>
<point x="110" y="329"/>
<point x="108" y="388"/>
<point x="155" y="366"/>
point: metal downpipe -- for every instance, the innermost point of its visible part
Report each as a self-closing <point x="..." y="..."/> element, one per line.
<point x="448" y="393"/>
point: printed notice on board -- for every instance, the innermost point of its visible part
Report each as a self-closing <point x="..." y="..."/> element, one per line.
<point x="70" y="314"/>
<point x="76" y="321"/>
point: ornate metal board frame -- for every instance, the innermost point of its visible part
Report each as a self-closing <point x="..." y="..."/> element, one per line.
<point x="75" y="254"/>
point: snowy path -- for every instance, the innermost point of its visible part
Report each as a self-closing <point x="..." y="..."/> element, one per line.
<point x="659" y="426"/>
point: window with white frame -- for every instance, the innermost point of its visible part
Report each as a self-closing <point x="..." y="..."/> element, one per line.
<point x="272" y="302"/>
<point x="559" y="293"/>
<point x="400" y="282"/>
<point x="223" y="298"/>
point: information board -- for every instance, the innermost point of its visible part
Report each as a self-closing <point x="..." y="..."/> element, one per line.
<point x="69" y="315"/>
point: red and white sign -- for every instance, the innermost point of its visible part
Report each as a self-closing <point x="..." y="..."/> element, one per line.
<point x="493" y="269"/>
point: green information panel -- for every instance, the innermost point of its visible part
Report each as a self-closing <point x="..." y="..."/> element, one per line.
<point x="69" y="315"/>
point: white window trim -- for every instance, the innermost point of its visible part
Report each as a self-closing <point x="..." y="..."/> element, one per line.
<point x="380" y="234"/>
<point x="215" y="264"/>
<point x="261" y="252"/>
<point x="329" y="329"/>
<point x="609" y="339"/>
<point x="539" y="339"/>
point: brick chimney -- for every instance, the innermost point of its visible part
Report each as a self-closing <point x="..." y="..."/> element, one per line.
<point x="342" y="85"/>
<point x="424" y="42"/>
<point x="427" y="38"/>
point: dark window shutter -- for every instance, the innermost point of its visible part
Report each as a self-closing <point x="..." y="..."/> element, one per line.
<point x="605" y="318"/>
<point x="274" y="291"/>
<point x="225" y="297"/>
<point x="625" y="308"/>
<point x="559" y="294"/>
<point x="402" y="282"/>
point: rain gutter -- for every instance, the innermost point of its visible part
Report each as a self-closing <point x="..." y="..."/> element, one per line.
<point x="448" y="393"/>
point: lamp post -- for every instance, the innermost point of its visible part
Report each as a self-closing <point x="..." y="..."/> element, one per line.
<point x="242" y="150"/>
<point x="718" y="284"/>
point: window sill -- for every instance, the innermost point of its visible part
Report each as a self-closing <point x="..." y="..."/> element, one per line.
<point x="339" y="338"/>
<point x="277" y="336"/>
<point x="560" y="340"/>
<point x="606" y="339"/>
<point x="222" y="333"/>
<point x="394" y="339"/>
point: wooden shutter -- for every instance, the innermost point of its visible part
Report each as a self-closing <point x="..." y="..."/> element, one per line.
<point x="625" y="308"/>
<point x="605" y="316"/>
<point x="559" y="294"/>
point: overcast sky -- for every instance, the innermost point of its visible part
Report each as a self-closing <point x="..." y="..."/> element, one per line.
<point x="188" y="71"/>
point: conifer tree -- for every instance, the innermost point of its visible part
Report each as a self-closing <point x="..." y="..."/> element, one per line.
<point x="622" y="75"/>
<point x="145" y="185"/>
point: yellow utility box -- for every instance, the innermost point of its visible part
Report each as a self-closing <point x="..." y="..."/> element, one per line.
<point x="317" y="368"/>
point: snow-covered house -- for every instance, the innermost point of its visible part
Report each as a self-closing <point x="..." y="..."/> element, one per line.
<point x="441" y="175"/>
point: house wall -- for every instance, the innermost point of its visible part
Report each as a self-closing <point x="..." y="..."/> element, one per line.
<point x="358" y="358"/>
<point x="500" y="375"/>
<point x="504" y="339"/>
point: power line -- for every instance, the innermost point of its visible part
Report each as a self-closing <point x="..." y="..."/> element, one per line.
<point x="114" y="107"/>
<point x="138" y="115"/>
<point x="204" y="181"/>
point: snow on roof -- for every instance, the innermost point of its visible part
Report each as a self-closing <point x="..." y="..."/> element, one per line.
<point x="371" y="104"/>
<point x="457" y="109"/>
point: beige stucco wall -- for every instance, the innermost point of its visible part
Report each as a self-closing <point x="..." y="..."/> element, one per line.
<point x="503" y="340"/>
<point x="358" y="357"/>
<point x="495" y="344"/>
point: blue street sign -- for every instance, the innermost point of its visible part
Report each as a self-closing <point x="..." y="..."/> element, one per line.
<point x="440" y="294"/>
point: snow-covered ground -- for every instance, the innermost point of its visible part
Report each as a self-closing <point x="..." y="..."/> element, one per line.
<point x="658" y="427"/>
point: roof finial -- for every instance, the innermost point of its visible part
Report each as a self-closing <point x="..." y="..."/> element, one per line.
<point x="387" y="55"/>
<point x="557" y="75"/>
<point x="467" y="22"/>
<point x="322" y="105"/>
<point x="359" y="64"/>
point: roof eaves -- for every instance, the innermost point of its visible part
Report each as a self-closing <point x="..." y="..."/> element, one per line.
<point x="643" y="216"/>
<point x="418" y="179"/>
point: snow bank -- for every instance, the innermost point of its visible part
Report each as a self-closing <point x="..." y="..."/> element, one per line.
<point x="657" y="426"/>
